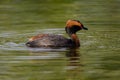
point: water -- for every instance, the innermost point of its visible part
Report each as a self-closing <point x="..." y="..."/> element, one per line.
<point x="97" y="58"/>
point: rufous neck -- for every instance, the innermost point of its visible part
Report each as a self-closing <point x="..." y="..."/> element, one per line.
<point x="75" y="40"/>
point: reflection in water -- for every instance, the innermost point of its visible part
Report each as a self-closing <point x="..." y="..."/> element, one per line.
<point x="52" y="61"/>
<point x="73" y="56"/>
<point x="73" y="65"/>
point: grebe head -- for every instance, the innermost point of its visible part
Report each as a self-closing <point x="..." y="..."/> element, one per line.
<point x="72" y="26"/>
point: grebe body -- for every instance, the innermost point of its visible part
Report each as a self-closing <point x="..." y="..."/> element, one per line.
<point x="51" y="40"/>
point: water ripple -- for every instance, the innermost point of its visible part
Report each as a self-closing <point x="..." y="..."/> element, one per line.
<point x="11" y="46"/>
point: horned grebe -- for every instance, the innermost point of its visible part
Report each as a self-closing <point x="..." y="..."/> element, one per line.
<point x="51" y="40"/>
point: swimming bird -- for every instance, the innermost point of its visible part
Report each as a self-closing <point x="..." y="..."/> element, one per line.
<point x="52" y="40"/>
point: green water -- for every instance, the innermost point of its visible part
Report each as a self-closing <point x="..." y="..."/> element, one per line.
<point x="97" y="58"/>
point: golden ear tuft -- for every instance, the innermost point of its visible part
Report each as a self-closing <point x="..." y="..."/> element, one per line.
<point x="71" y="23"/>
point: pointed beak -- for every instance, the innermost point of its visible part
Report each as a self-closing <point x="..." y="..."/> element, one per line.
<point x="85" y="28"/>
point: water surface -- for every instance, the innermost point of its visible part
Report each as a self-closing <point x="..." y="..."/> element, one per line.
<point x="97" y="58"/>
